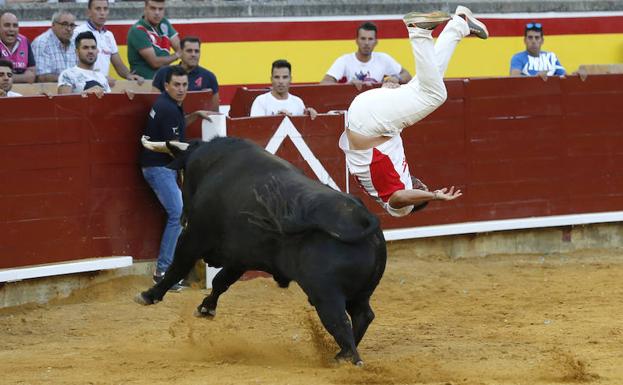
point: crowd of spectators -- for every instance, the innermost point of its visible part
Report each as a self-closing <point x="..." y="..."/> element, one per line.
<point x="78" y="57"/>
<point x="154" y="44"/>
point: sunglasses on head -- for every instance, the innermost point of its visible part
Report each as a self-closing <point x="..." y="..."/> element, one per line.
<point x="535" y="26"/>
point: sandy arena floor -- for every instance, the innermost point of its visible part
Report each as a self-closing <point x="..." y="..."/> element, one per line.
<point x="497" y="320"/>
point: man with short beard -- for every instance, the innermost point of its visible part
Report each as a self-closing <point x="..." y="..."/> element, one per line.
<point x="16" y="48"/>
<point x="54" y="50"/>
<point x="83" y="77"/>
<point x="366" y="66"/>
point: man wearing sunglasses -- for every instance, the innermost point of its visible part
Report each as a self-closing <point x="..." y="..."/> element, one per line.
<point x="54" y="49"/>
<point x="533" y="61"/>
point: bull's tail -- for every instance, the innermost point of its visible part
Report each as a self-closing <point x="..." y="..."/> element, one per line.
<point x="339" y="215"/>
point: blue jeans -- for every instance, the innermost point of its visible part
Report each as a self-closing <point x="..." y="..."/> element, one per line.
<point x="164" y="183"/>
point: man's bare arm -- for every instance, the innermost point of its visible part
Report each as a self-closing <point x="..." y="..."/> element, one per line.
<point x="405" y="76"/>
<point x="155" y="62"/>
<point x="64" y="90"/>
<point x="27" y="77"/>
<point x="328" y="79"/>
<point x="47" y="78"/>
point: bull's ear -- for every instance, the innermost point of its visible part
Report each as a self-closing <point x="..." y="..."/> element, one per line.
<point x="178" y="163"/>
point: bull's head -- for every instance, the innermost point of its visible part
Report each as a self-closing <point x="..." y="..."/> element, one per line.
<point x="178" y="150"/>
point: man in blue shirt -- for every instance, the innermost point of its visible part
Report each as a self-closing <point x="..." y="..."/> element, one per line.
<point x="167" y="122"/>
<point x="199" y="78"/>
<point x="533" y="61"/>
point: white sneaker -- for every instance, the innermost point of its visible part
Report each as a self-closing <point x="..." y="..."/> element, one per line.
<point x="425" y="20"/>
<point x="476" y="27"/>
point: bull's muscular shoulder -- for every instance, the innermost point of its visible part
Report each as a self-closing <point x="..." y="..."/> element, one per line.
<point x="234" y="153"/>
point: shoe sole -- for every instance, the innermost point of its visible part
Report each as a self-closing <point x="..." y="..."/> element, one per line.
<point x="426" y="20"/>
<point x="476" y="26"/>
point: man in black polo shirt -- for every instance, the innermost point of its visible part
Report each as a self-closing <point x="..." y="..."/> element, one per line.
<point x="199" y="78"/>
<point x="166" y="122"/>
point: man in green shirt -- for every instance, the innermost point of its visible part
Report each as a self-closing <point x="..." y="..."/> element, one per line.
<point x="150" y="40"/>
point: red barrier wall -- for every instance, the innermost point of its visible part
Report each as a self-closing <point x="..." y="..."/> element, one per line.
<point x="518" y="148"/>
<point x="71" y="186"/>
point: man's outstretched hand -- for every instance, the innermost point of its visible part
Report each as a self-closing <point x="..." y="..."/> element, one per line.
<point x="446" y="194"/>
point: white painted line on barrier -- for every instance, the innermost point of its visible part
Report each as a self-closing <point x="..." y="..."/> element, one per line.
<point x="70" y="267"/>
<point x="500" y="225"/>
<point x="287" y="129"/>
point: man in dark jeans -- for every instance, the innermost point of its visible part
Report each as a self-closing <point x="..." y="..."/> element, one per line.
<point x="167" y="122"/>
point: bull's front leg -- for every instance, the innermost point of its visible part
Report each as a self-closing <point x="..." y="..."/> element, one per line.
<point x="183" y="261"/>
<point x="221" y="282"/>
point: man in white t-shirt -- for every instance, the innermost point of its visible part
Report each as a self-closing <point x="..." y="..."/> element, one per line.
<point x="366" y="66"/>
<point x="97" y="13"/>
<point x="279" y="101"/>
<point x="84" y="77"/>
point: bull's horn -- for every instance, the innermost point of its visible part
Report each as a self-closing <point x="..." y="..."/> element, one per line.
<point x="179" y="145"/>
<point x="154" y="146"/>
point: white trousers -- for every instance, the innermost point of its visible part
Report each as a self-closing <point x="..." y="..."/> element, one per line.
<point x="387" y="111"/>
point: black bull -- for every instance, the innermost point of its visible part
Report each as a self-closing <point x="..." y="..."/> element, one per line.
<point x="246" y="209"/>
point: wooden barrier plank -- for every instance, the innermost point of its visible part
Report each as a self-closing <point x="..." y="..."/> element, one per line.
<point x="593" y="103"/>
<point x="527" y="87"/>
<point x="39" y="206"/>
<point x="42" y="180"/>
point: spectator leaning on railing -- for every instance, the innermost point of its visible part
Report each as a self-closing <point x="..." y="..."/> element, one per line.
<point x="97" y="13"/>
<point x="150" y="40"/>
<point x="366" y="66"/>
<point x="6" y="79"/>
<point x="16" y="48"/>
<point x="54" y="49"/>
<point x="279" y="101"/>
<point x="533" y="61"/>
<point x="83" y="77"/>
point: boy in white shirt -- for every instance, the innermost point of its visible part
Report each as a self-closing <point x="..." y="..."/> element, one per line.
<point x="83" y="77"/>
<point x="279" y="101"/>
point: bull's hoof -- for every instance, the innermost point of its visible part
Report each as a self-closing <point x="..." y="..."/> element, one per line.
<point x="350" y="358"/>
<point x="204" y="312"/>
<point x="143" y="299"/>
